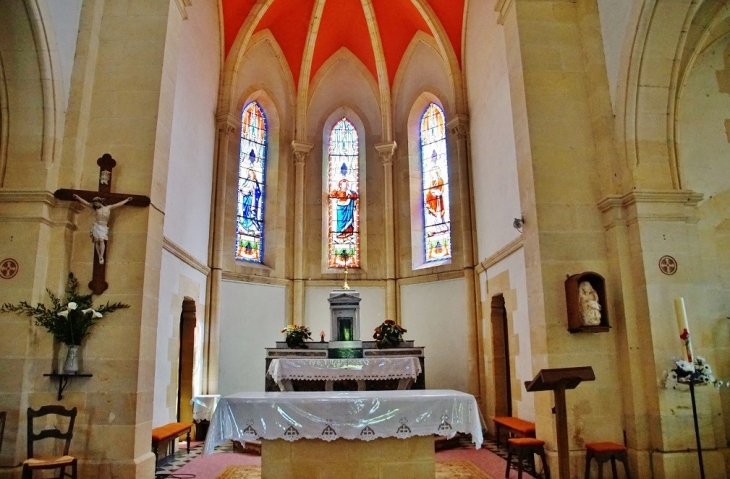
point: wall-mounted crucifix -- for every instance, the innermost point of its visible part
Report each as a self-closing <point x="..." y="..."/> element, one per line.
<point x="102" y="202"/>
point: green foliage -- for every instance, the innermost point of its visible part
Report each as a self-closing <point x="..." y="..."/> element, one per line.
<point x="296" y="335"/>
<point x="71" y="322"/>
<point x="388" y="334"/>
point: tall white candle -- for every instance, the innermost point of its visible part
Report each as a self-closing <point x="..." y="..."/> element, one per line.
<point x="683" y="324"/>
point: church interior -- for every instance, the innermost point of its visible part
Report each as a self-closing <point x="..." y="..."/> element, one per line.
<point x="521" y="185"/>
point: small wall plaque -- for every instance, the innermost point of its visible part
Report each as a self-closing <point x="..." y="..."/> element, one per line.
<point x="668" y="265"/>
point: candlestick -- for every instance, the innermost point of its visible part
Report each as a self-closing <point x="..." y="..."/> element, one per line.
<point x="684" y="327"/>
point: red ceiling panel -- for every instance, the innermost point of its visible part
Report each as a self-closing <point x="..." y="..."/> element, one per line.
<point x="234" y="14"/>
<point x="343" y="24"/>
<point x="398" y="21"/>
<point x="289" y="23"/>
<point x="451" y="14"/>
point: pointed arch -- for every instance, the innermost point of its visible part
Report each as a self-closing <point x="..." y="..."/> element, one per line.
<point x="251" y="185"/>
<point x="345" y="55"/>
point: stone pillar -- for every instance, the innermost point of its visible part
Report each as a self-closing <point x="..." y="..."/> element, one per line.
<point x="458" y="127"/>
<point x="300" y="152"/>
<point x="386" y="151"/>
<point x="228" y="125"/>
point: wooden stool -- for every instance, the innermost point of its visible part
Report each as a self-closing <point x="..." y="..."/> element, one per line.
<point x="602" y="452"/>
<point x="526" y="448"/>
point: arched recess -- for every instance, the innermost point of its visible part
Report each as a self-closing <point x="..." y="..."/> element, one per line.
<point x="415" y="184"/>
<point x="362" y="131"/>
<point x="31" y="94"/>
<point x="276" y="191"/>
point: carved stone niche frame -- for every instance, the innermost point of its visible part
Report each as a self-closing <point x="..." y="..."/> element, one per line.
<point x="575" y="321"/>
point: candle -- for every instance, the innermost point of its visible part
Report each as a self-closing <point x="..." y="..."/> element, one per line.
<point x="683" y="326"/>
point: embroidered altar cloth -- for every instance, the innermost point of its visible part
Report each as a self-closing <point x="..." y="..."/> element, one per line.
<point x="326" y="415"/>
<point x="341" y="369"/>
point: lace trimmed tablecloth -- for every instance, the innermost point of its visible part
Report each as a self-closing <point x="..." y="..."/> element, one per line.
<point x="364" y="415"/>
<point x="342" y="369"/>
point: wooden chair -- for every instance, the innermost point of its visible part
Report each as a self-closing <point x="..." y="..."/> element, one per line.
<point x="603" y="452"/>
<point x="51" y="462"/>
<point x="525" y="449"/>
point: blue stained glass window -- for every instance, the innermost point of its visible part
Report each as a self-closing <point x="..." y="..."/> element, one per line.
<point x="343" y="223"/>
<point x="251" y="185"/>
<point x="435" y="173"/>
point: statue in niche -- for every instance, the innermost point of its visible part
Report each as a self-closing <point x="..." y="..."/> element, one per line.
<point x="590" y="308"/>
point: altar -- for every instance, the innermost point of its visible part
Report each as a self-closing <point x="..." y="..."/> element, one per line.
<point x="352" y="429"/>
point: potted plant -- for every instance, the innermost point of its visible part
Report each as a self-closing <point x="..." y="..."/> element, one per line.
<point x="296" y="335"/>
<point x="389" y="334"/>
<point x="69" y="321"/>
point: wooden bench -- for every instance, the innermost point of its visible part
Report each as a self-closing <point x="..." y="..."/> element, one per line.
<point x="514" y="425"/>
<point x="170" y="431"/>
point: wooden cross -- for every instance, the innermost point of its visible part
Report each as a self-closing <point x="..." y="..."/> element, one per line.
<point x="106" y="163"/>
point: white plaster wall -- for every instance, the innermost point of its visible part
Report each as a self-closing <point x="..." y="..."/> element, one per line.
<point x="66" y="15"/>
<point x="435" y="316"/>
<point x="422" y="69"/>
<point x="317" y="310"/>
<point x="190" y="174"/>
<point x="515" y="265"/>
<point x="251" y="319"/>
<point x="494" y="163"/>
<point x="341" y="83"/>
<point x="177" y="281"/>
<point x="615" y="16"/>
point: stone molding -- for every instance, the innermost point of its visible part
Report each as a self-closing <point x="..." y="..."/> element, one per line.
<point x="506" y="250"/>
<point x="430" y="278"/>
<point x="301" y="150"/>
<point x="184" y="256"/>
<point x="459" y="126"/>
<point x="650" y="205"/>
<point x="249" y="278"/>
<point x="502" y="7"/>
<point x="182" y="7"/>
<point x="386" y="151"/>
<point x="227" y="123"/>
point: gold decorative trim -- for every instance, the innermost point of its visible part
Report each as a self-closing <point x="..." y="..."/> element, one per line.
<point x="501" y="254"/>
<point x="184" y="256"/>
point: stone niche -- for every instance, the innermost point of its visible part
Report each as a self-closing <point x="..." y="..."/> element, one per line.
<point x="578" y="310"/>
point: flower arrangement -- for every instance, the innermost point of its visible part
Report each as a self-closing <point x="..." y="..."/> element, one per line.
<point x="296" y="335"/>
<point x="684" y="373"/>
<point x="71" y="322"/>
<point x="388" y="334"/>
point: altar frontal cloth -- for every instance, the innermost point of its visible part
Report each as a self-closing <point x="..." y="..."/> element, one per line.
<point x="328" y="415"/>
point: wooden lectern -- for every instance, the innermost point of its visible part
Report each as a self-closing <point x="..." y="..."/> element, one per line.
<point x="558" y="380"/>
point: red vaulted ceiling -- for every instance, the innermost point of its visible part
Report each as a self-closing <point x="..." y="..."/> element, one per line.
<point x="344" y="24"/>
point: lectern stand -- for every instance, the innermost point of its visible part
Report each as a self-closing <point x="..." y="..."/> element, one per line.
<point x="558" y="380"/>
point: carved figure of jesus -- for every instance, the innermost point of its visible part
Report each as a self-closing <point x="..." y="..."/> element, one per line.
<point x="590" y="308"/>
<point x="100" y="228"/>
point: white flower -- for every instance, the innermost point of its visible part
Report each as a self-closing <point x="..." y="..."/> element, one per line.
<point x="95" y="314"/>
<point x="72" y="305"/>
<point x="63" y="314"/>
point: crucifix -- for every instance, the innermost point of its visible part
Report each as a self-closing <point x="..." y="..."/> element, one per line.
<point x="97" y="200"/>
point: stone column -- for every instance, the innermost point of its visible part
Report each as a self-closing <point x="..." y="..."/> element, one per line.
<point x="386" y="151"/>
<point x="458" y="127"/>
<point x="227" y="125"/>
<point x="300" y="152"/>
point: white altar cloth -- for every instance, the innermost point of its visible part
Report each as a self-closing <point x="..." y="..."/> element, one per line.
<point x="204" y="405"/>
<point x="364" y="415"/>
<point x="340" y="369"/>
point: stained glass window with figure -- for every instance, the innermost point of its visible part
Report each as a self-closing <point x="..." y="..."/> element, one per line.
<point x="435" y="174"/>
<point x="343" y="224"/>
<point x="251" y="185"/>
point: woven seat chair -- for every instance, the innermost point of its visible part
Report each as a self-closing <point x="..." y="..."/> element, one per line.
<point x="55" y="461"/>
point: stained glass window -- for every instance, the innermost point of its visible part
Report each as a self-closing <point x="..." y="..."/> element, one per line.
<point x="434" y="166"/>
<point x="343" y="224"/>
<point x="251" y="185"/>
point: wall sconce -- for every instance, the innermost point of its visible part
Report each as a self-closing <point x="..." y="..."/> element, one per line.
<point x="518" y="223"/>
